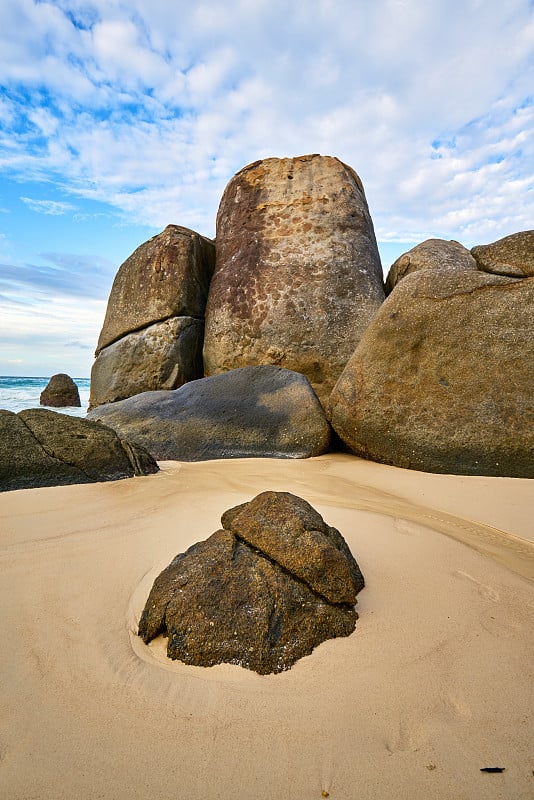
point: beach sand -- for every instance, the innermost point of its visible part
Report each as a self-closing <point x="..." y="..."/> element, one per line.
<point x="435" y="683"/>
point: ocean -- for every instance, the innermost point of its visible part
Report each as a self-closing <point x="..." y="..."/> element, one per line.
<point x="19" y="393"/>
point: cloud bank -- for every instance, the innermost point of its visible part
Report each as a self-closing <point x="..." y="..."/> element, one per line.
<point x="138" y="113"/>
<point x="153" y="106"/>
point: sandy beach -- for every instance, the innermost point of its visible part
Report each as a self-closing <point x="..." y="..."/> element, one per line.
<point x="435" y="683"/>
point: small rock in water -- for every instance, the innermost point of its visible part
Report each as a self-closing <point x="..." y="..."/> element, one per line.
<point x="60" y="392"/>
<point x="262" y="592"/>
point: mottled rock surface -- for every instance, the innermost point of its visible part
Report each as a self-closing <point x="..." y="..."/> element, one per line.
<point x="298" y="275"/>
<point x="44" y="448"/>
<point x="513" y="255"/>
<point x="249" y="412"/>
<point x="431" y="254"/>
<point x="168" y="276"/>
<point x="60" y="392"/>
<point x="291" y="532"/>
<point x="229" y="600"/>
<point x="443" y="378"/>
<point x="163" y="356"/>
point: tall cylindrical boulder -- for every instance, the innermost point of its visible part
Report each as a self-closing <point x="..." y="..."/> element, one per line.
<point x="298" y="275"/>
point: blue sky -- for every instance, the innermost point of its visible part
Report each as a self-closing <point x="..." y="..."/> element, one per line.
<point x="117" y="118"/>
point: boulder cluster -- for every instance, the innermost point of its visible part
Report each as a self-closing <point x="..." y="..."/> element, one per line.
<point x="262" y="341"/>
<point x="292" y="280"/>
<point x="262" y="592"/>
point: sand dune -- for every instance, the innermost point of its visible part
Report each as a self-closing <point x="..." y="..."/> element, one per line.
<point x="435" y="683"/>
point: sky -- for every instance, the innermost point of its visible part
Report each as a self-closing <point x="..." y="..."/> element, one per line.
<point x="118" y="118"/>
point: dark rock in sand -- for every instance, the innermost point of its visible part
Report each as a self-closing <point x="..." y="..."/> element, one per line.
<point x="250" y="412"/>
<point x="431" y="254"/>
<point x="443" y="379"/>
<point x="60" y="392"/>
<point x="227" y="599"/>
<point x="44" y="448"/>
<point x="513" y="255"/>
<point x="298" y="275"/>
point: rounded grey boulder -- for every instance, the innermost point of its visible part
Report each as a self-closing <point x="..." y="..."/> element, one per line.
<point x="261" y="411"/>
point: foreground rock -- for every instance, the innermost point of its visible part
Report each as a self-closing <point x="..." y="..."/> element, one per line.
<point x="60" y="392"/>
<point x="431" y="254"/>
<point x="262" y="593"/>
<point x="443" y="379"/>
<point x="298" y="275"/>
<point x="513" y="255"/>
<point x="153" y="331"/>
<point x="249" y="412"/>
<point x="44" y="448"/>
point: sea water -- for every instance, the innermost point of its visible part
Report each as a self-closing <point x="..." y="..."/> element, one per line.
<point x="19" y="393"/>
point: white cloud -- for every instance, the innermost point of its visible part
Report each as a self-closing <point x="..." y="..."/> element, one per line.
<point x="153" y="106"/>
<point x="58" y="320"/>
<point x="52" y="207"/>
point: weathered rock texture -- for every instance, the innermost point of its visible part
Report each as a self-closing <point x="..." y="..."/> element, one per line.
<point x="262" y="593"/>
<point x="298" y="275"/>
<point x="168" y="276"/>
<point x="254" y="411"/>
<point x="60" y="392"/>
<point x="163" y="356"/>
<point x="44" y="448"/>
<point x="442" y="380"/>
<point x="159" y="291"/>
<point x="431" y="254"/>
<point x="513" y="255"/>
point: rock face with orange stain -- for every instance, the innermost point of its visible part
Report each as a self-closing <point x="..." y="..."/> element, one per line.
<point x="298" y="275"/>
